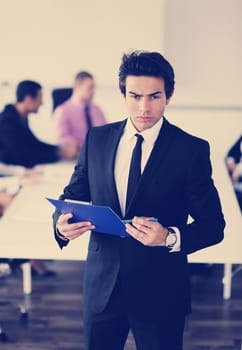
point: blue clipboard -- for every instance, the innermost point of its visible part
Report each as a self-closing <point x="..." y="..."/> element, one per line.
<point x="103" y="217"/>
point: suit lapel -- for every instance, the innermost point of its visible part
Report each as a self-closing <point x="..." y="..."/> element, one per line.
<point x="159" y="151"/>
<point x="157" y="156"/>
<point x="113" y="139"/>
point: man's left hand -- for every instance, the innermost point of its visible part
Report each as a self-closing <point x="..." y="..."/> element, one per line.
<point x="147" y="232"/>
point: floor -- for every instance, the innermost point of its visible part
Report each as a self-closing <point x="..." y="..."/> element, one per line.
<point x="54" y="318"/>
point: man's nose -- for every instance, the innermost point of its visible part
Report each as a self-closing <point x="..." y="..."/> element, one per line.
<point x="144" y="106"/>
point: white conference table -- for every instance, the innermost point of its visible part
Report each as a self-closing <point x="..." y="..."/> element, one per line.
<point x="26" y="228"/>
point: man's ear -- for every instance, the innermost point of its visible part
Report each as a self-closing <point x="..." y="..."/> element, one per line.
<point x="28" y="99"/>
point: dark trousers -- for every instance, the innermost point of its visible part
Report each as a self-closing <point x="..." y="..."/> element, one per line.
<point x="109" y="329"/>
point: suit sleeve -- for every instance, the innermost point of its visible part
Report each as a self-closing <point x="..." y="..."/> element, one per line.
<point x="77" y="189"/>
<point x="21" y="147"/>
<point x="204" y="205"/>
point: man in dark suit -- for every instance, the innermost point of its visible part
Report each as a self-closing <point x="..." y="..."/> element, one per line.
<point x="234" y="165"/>
<point x="18" y="145"/>
<point x="142" y="283"/>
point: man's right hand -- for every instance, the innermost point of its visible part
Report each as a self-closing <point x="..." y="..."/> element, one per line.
<point x="74" y="230"/>
<point x="70" y="151"/>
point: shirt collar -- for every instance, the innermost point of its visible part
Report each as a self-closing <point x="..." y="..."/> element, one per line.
<point x="150" y="135"/>
<point x="80" y="102"/>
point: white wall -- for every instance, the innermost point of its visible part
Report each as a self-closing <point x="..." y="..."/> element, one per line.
<point x="51" y="40"/>
<point x="203" y="41"/>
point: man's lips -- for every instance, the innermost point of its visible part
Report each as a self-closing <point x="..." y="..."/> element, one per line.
<point x="144" y="118"/>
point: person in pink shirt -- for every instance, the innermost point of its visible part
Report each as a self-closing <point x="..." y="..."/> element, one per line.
<point x="76" y="115"/>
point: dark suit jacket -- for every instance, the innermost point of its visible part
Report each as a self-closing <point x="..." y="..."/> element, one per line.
<point x="18" y="145"/>
<point x="176" y="182"/>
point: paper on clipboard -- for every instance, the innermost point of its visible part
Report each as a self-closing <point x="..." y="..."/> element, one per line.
<point x="103" y="217"/>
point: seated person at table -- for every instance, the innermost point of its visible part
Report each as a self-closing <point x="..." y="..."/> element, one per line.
<point x="18" y="145"/>
<point x="234" y="164"/>
<point x="11" y="180"/>
<point x="76" y="115"/>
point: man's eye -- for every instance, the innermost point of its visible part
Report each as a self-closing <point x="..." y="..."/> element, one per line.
<point x="136" y="97"/>
<point x="155" y="97"/>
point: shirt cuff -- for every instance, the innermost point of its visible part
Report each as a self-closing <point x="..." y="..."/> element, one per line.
<point x="177" y="245"/>
<point x="239" y="167"/>
<point x="59" y="235"/>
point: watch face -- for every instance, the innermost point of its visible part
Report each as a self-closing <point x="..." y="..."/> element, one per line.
<point x="171" y="239"/>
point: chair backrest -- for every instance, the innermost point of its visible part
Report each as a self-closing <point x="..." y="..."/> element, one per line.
<point x="60" y="95"/>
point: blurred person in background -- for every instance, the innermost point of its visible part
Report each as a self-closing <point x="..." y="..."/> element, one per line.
<point x="20" y="151"/>
<point x="75" y="116"/>
<point x="18" y="145"/>
<point x="234" y="165"/>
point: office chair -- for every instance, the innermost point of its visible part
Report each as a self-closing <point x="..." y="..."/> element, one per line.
<point x="60" y="95"/>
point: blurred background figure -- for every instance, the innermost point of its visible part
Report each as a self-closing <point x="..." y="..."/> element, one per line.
<point x="76" y="115"/>
<point x="234" y="164"/>
<point x="20" y="150"/>
<point x="18" y="145"/>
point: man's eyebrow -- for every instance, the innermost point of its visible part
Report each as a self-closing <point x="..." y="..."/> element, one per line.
<point x="151" y="94"/>
<point x="155" y="93"/>
<point x="134" y="93"/>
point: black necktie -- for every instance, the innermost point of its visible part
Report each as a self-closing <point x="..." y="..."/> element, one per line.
<point x="135" y="169"/>
<point x="88" y="117"/>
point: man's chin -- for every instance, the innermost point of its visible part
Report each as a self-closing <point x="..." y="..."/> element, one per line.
<point x="144" y="124"/>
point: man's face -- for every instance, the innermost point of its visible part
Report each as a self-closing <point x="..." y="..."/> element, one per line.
<point x="86" y="89"/>
<point x="34" y="102"/>
<point x="146" y="100"/>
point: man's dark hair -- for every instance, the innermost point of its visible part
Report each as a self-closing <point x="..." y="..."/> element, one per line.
<point x="27" y="88"/>
<point x="83" y="75"/>
<point x="145" y="63"/>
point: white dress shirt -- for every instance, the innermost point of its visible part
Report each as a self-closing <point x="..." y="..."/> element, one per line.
<point x="124" y="154"/>
<point x="123" y="160"/>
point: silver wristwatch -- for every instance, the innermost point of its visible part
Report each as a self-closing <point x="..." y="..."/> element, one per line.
<point x="171" y="239"/>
